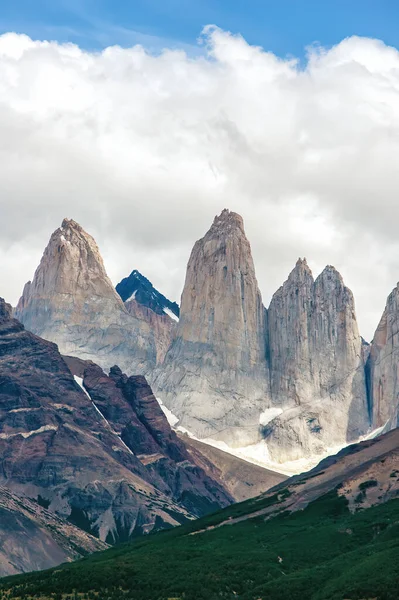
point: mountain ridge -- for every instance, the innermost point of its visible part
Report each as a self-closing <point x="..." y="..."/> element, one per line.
<point x="328" y="534"/>
<point x="295" y="379"/>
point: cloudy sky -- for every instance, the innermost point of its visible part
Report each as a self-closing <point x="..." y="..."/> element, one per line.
<point x="144" y="145"/>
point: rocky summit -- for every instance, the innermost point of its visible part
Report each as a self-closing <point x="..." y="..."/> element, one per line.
<point x="215" y="375"/>
<point x="316" y="366"/>
<point x="102" y="458"/>
<point x="72" y="302"/>
<point x="290" y="378"/>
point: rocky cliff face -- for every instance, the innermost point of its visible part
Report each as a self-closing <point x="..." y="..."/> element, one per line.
<point x="316" y="366"/>
<point x="146" y="304"/>
<point x="114" y="477"/>
<point x="230" y="370"/>
<point x="383" y="367"/>
<point x="215" y="377"/>
<point x="162" y="327"/>
<point x="72" y="302"/>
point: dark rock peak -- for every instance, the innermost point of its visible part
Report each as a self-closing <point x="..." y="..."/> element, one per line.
<point x="5" y="309"/>
<point x="139" y="288"/>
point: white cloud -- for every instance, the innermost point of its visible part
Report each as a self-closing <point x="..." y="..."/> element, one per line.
<point x="144" y="150"/>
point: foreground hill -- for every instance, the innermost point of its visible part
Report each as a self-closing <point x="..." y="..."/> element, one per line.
<point x="331" y="534"/>
<point x="104" y="458"/>
<point x="51" y="540"/>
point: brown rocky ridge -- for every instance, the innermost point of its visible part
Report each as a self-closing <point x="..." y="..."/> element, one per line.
<point x="51" y="540"/>
<point x="114" y="478"/>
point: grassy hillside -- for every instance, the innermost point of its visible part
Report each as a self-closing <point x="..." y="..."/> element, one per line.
<point x="323" y="552"/>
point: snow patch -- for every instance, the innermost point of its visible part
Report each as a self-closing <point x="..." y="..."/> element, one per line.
<point x="132" y="297"/>
<point x="172" y="419"/>
<point x="258" y="454"/>
<point x="269" y="414"/>
<point x="110" y="428"/>
<point x="376" y="432"/>
<point x="79" y="381"/>
<point x="171" y="314"/>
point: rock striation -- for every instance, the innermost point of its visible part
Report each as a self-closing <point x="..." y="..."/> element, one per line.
<point x="215" y="377"/>
<point x="115" y="474"/>
<point x="161" y="326"/>
<point x="383" y="367"/>
<point x="72" y="302"/>
<point x="316" y="366"/>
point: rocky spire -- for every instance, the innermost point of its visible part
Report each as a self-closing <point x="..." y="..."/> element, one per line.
<point x="382" y="366"/>
<point x="215" y="376"/>
<point x="72" y="302"/>
<point x="317" y="369"/>
<point x="288" y="318"/>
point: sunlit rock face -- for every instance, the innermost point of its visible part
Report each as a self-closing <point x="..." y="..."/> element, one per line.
<point x="316" y="365"/>
<point x="291" y="377"/>
<point x="383" y="366"/>
<point x="72" y="302"/>
<point x="215" y="376"/>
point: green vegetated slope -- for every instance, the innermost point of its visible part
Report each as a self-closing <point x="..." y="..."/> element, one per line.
<point x="323" y="552"/>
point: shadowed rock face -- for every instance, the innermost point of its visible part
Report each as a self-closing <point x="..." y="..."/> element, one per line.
<point x="316" y="366"/>
<point x="138" y="287"/>
<point x="383" y="366"/>
<point x="56" y="445"/>
<point x="51" y="540"/>
<point x="72" y="302"/>
<point x="215" y="377"/>
<point x="146" y="304"/>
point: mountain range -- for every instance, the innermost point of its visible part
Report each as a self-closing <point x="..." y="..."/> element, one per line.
<point x="122" y="413"/>
<point x="283" y="385"/>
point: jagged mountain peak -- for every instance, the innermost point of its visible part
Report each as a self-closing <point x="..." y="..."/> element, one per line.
<point x="301" y="262"/>
<point x="217" y="358"/>
<point x="71" y="264"/>
<point x="139" y="288"/>
<point x="300" y="277"/>
<point x="301" y="268"/>
<point x="72" y="301"/>
<point x="71" y="224"/>
<point x="330" y="272"/>
<point x="226" y="222"/>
